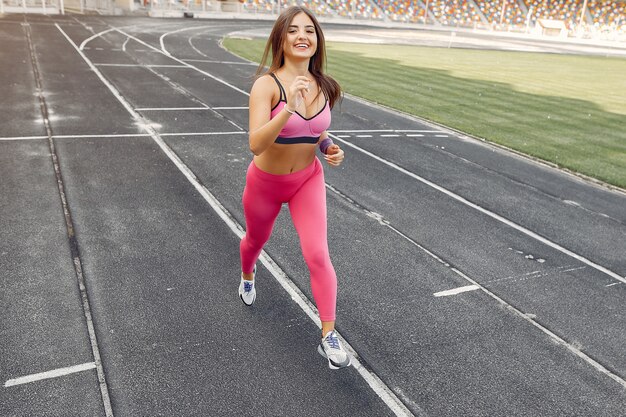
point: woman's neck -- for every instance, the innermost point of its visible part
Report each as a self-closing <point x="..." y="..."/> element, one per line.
<point x="292" y="69"/>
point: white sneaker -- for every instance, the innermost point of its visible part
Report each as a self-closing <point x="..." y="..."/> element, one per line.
<point x="331" y="349"/>
<point x="247" y="289"/>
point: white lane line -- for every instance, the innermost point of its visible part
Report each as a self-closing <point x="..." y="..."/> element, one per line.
<point x="417" y="131"/>
<point x="194" y="48"/>
<point x="162" y="38"/>
<point x="415" y="135"/>
<point x="363" y="136"/>
<point x="142" y="66"/>
<point x="239" y="132"/>
<point x="455" y="291"/>
<point x="343" y="136"/>
<point x="210" y="61"/>
<point x="104" y="389"/>
<point x="441" y="136"/>
<point x="487" y="212"/>
<point x="389" y="136"/>
<point x="118" y="135"/>
<point x="50" y="374"/>
<point x="364" y="131"/>
<point x="230" y="108"/>
<point x="89" y="39"/>
<point x="125" y="135"/>
<point x="385" y="131"/>
<point x="124" y="44"/>
<point x="377" y="385"/>
<point x="183" y="62"/>
<point x="572" y="348"/>
<point x="171" y="108"/>
<point x="615" y="283"/>
<point x="23" y="138"/>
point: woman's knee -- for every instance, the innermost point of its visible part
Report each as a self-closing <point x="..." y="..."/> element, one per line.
<point x="317" y="260"/>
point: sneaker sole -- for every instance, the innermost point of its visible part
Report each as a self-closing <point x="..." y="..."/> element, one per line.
<point x="242" y="300"/>
<point x="331" y="365"/>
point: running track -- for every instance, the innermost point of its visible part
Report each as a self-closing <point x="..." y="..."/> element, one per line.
<point x="472" y="281"/>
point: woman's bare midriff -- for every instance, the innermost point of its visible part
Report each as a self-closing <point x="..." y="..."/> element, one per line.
<point x="281" y="159"/>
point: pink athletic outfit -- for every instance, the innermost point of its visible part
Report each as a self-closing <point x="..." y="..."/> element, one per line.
<point x="305" y="192"/>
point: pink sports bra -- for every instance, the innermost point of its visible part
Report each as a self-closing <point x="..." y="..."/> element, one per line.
<point x="298" y="128"/>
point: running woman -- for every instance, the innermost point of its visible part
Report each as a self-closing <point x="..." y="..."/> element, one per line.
<point x="289" y="114"/>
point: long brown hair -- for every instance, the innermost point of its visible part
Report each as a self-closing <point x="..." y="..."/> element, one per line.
<point x="317" y="62"/>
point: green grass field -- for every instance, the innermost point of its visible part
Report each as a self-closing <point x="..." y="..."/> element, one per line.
<point x="568" y="110"/>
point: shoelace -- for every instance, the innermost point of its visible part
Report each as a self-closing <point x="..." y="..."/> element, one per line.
<point x="332" y="340"/>
<point x="247" y="286"/>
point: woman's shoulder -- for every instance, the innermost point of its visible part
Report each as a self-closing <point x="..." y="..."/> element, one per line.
<point x="265" y="84"/>
<point x="264" y="81"/>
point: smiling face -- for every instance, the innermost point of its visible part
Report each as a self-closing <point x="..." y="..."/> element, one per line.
<point x="301" y="39"/>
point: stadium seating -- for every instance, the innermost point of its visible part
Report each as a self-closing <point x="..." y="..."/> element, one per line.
<point x="566" y="10"/>
<point x="601" y="15"/>
<point x="608" y="13"/>
<point x="492" y="10"/>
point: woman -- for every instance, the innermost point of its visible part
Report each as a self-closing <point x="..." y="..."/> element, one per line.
<point x="289" y="114"/>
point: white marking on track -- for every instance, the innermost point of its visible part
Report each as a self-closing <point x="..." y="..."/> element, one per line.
<point x="415" y="135"/>
<point x="104" y="389"/>
<point x="122" y="135"/>
<point x="89" y="39"/>
<point x="363" y="136"/>
<point x="455" y="291"/>
<point x="118" y="135"/>
<point x="171" y="108"/>
<point x="389" y="136"/>
<point x="194" y="48"/>
<point x="363" y="131"/>
<point x="417" y="131"/>
<point x="204" y="133"/>
<point x="55" y="373"/>
<point x="124" y="44"/>
<point x="210" y="61"/>
<point x="162" y="38"/>
<point x="230" y="108"/>
<point x="141" y="65"/>
<point x="24" y="138"/>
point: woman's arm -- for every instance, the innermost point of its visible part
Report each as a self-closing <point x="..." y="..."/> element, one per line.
<point x="263" y="130"/>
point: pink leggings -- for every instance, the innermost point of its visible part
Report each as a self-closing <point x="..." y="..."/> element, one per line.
<point x="305" y="192"/>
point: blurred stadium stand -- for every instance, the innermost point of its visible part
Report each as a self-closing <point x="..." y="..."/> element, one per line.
<point x="598" y="19"/>
<point x="516" y="15"/>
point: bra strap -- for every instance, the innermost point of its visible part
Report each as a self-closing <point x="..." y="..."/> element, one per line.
<point x="283" y="95"/>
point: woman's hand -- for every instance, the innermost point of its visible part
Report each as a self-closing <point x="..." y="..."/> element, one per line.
<point x="297" y="92"/>
<point x="334" y="155"/>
